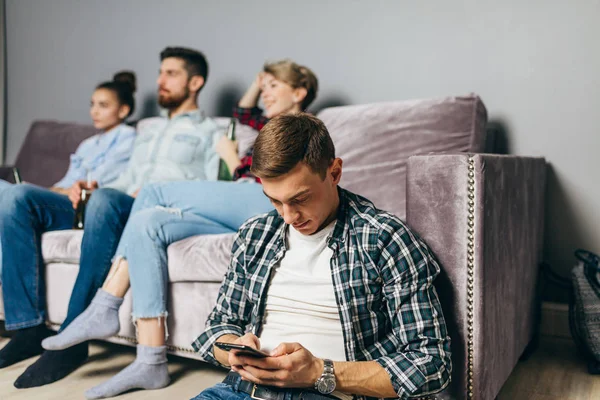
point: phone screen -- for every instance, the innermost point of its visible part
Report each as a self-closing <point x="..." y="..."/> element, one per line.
<point x="241" y="349"/>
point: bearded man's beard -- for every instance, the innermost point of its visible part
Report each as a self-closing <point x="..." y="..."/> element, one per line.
<point x="171" y="102"/>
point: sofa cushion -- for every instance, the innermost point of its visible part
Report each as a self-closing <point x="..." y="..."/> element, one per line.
<point x="375" y="141"/>
<point x="200" y="258"/>
<point x="195" y="259"/>
<point x="62" y="246"/>
<point x="44" y="157"/>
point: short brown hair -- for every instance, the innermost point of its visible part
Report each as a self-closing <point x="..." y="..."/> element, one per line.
<point x="195" y="62"/>
<point x="289" y="139"/>
<point x="297" y="76"/>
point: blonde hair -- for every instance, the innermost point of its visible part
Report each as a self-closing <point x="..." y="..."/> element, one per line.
<point x="297" y="76"/>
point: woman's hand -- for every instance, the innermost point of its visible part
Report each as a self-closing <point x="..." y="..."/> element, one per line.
<point x="250" y="98"/>
<point x="226" y="147"/>
<point x="75" y="191"/>
<point x="228" y="151"/>
<point x="259" y="79"/>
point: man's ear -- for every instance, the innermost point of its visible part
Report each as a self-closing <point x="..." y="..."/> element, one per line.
<point x="195" y="84"/>
<point x="335" y="169"/>
<point x="299" y="95"/>
<point x="123" y="111"/>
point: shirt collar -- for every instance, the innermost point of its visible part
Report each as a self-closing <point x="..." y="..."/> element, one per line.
<point x="340" y="231"/>
<point x="109" y="136"/>
<point x="193" y="114"/>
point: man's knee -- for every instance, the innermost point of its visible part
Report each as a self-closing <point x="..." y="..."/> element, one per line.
<point x="104" y="200"/>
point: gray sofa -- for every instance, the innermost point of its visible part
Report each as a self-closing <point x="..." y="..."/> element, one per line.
<point x="482" y="215"/>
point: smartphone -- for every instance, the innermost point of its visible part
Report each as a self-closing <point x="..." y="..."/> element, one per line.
<point x="242" y="349"/>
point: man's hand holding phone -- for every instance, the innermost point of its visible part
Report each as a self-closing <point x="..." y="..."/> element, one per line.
<point x="229" y="349"/>
<point x="241" y="350"/>
<point x="288" y="365"/>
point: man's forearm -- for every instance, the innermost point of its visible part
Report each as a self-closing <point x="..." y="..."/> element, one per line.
<point x="222" y="356"/>
<point x="366" y="378"/>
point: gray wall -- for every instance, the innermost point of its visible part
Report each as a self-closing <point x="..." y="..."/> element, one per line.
<point x="535" y="64"/>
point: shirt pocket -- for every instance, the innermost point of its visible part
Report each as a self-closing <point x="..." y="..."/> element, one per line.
<point x="141" y="150"/>
<point x="183" y="148"/>
<point x="76" y="161"/>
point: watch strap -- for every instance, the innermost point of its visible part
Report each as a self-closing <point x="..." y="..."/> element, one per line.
<point x="328" y="367"/>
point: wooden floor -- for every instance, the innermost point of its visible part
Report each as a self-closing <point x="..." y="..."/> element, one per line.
<point x="554" y="372"/>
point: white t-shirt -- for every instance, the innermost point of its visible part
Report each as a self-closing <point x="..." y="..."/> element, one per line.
<point x="301" y="305"/>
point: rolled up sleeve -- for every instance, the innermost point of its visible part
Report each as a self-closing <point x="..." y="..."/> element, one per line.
<point x="422" y="365"/>
<point x="231" y="314"/>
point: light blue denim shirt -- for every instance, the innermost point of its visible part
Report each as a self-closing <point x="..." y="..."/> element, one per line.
<point x="172" y="149"/>
<point x="104" y="155"/>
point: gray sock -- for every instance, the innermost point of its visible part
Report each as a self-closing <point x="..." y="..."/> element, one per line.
<point x="148" y="371"/>
<point x="99" y="321"/>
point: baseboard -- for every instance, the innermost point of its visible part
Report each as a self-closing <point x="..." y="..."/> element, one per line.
<point x="555" y="319"/>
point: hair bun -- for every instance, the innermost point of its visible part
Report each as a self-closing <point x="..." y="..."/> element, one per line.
<point x="127" y="78"/>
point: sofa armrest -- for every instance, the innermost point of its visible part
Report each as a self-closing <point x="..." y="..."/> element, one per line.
<point x="483" y="217"/>
<point x="6" y="173"/>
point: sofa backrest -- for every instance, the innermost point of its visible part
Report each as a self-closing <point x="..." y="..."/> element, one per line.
<point x="44" y="157"/>
<point x="45" y="154"/>
<point x="375" y="141"/>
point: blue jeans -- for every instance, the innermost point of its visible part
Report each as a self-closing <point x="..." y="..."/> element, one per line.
<point x="3" y="185"/>
<point x="27" y="211"/>
<point x="231" y="391"/>
<point x="106" y="214"/>
<point x="221" y="391"/>
<point x="173" y="211"/>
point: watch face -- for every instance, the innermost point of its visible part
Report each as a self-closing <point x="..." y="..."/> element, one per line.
<point x="326" y="385"/>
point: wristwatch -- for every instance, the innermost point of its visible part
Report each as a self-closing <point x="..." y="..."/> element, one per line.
<point x="326" y="382"/>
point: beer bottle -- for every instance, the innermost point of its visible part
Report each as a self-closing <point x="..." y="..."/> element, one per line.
<point x="224" y="173"/>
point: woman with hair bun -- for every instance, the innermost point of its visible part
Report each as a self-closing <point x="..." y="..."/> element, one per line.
<point x="104" y="155"/>
<point x="32" y="210"/>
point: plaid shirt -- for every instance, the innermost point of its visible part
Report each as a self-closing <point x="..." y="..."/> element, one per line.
<point x="383" y="279"/>
<point x="253" y="118"/>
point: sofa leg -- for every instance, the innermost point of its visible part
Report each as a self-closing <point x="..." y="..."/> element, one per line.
<point x="534" y="343"/>
<point x="531" y="348"/>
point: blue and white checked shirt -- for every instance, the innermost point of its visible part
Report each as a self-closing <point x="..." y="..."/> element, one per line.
<point x="383" y="280"/>
<point x="104" y="155"/>
<point x="172" y="149"/>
